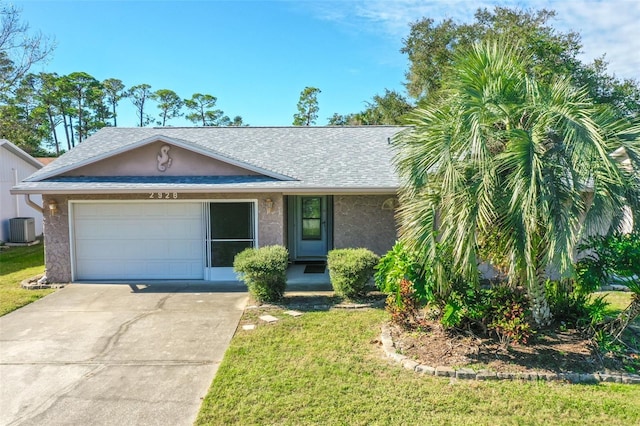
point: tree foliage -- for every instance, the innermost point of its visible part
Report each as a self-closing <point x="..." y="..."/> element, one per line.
<point x="387" y="109"/>
<point x="501" y="155"/>
<point x="54" y="111"/>
<point x="140" y="94"/>
<point x="169" y="104"/>
<point x="431" y="48"/>
<point x="203" y="109"/>
<point x="47" y="110"/>
<point x="20" y="119"/>
<point x="87" y="99"/>
<point x="113" y="91"/>
<point x="204" y="112"/>
<point x="307" y="107"/>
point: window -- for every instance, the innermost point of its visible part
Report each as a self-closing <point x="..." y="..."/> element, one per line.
<point x="311" y="218"/>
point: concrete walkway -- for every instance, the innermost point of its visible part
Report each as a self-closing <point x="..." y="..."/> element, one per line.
<point x="104" y="354"/>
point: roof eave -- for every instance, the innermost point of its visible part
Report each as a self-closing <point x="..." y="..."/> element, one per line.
<point x="164" y="139"/>
<point x="207" y="190"/>
<point x="20" y="153"/>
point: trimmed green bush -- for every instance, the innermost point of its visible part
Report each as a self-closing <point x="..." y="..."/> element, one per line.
<point x="264" y="271"/>
<point x="350" y="270"/>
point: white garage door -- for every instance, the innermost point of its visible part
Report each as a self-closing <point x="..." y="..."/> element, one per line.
<point x="138" y="241"/>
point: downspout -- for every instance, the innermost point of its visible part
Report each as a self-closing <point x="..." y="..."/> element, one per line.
<point x="32" y="204"/>
<point x="15" y="182"/>
<point x="44" y="281"/>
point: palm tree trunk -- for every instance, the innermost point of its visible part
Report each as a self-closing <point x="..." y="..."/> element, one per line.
<point x="539" y="304"/>
<point x="538" y="294"/>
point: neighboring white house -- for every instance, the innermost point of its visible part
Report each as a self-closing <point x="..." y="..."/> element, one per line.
<point x="16" y="165"/>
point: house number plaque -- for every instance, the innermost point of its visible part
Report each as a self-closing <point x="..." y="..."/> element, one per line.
<point x="163" y="195"/>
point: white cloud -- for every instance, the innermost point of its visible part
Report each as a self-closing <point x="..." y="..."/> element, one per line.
<point x="606" y="26"/>
<point x="611" y="27"/>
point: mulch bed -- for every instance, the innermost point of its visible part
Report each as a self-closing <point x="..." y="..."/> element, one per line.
<point x="548" y="352"/>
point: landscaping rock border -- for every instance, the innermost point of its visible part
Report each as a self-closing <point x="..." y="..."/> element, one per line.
<point x="353" y="305"/>
<point x="37" y="283"/>
<point x="321" y="307"/>
<point x="468" y="374"/>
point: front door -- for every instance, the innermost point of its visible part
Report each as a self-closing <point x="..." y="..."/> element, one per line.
<point x="311" y="227"/>
<point x="231" y="229"/>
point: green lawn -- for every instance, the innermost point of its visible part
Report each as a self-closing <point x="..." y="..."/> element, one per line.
<point x="17" y="264"/>
<point x="325" y="368"/>
<point x="618" y="300"/>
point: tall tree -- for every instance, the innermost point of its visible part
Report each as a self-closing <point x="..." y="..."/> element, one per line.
<point x="499" y="155"/>
<point x="19" y="48"/>
<point x="307" y="107"/>
<point x="387" y="109"/>
<point x="64" y="98"/>
<point x="50" y="103"/>
<point x="169" y="104"/>
<point x="203" y="110"/>
<point x="431" y="47"/>
<point x="139" y="95"/>
<point x="21" y="122"/>
<point x="622" y="94"/>
<point x="235" y="122"/>
<point x="340" y="120"/>
<point x="27" y="102"/>
<point x="114" y="92"/>
<point x="87" y="98"/>
<point x="390" y="107"/>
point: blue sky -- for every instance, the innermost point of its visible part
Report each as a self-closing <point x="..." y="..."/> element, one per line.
<point x="256" y="56"/>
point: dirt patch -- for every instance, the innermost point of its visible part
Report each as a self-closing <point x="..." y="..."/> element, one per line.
<point x="548" y="352"/>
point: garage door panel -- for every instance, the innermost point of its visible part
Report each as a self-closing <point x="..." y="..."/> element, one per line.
<point x="90" y="268"/>
<point x="115" y="250"/>
<point x="132" y="229"/>
<point x="185" y="249"/>
<point x="138" y="241"/>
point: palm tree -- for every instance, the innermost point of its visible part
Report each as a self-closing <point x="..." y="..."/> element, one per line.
<point x="502" y="161"/>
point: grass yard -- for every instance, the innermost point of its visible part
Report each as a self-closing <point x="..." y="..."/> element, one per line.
<point x="619" y="300"/>
<point x="326" y="367"/>
<point x="17" y="264"/>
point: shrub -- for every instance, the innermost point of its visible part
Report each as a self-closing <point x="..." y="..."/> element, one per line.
<point x="574" y="308"/>
<point x="399" y="264"/>
<point x="607" y="256"/>
<point x="614" y="257"/>
<point x="500" y="310"/>
<point x="264" y="271"/>
<point x="509" y="314"/>
<point x="404" y="307"/>
<point x="350" y="270"/>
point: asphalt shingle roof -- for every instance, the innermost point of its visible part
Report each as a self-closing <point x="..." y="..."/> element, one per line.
<point x="336" y="157"/>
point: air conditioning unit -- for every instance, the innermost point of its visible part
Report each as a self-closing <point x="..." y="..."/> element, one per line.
<point x="22" y="230"/>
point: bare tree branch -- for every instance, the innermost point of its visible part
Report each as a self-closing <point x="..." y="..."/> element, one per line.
<point x="19" y="49"/>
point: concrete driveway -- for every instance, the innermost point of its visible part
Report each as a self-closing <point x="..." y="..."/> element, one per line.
<point x="105" y="354"/>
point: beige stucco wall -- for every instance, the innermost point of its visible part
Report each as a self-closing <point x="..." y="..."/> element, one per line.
<point x="361" y="221"/>
<point x="56" y="236"/>
<point x="143" y="161"/>
<point x="56" y="241"/>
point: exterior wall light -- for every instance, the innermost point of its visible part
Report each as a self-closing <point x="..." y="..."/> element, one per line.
<point x="390" y="204"/>
<point x="53" y="207"/>
<point x="268" y="204"/>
